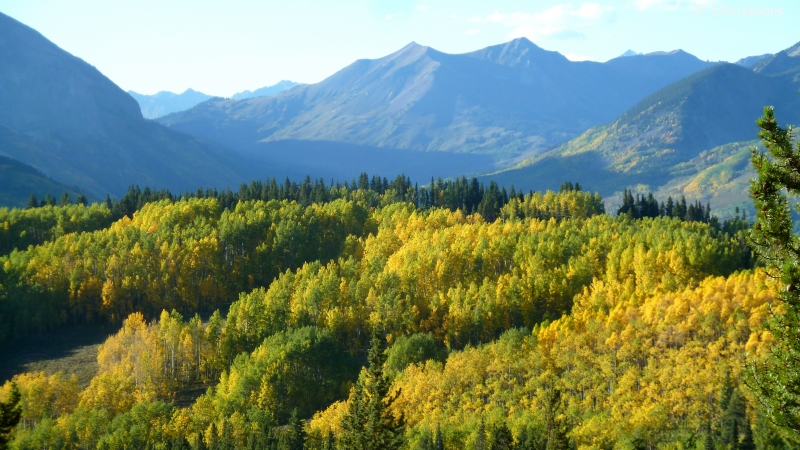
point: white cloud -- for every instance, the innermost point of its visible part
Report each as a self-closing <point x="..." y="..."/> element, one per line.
<point x="472" y="32"/>
<point x="556" y="22"/>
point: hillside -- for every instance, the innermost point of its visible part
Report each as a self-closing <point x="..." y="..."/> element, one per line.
<point x="565" y="325"/>
<point x="652" y="145"/>
<point x="87" y="131"/>
<point x="164" y="102"/>
<point x="504" y="101"/>
<point x="265" y="91"/>
<point x="18" y="181"/>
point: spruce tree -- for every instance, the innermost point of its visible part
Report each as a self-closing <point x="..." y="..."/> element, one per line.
<point x="33" y="202"/>
<point x="296" y="433"/>
<point x="10" y="415"/>
<point x="480" y="441"/>
<point x="65" y="199"/>
<point x="501" y="438"/>
<point x="708" y="443"/>
<point x="330" y="442"/>
<point x="438" y="442"/>
<point x="776" y="379"/>
<point x="368" y="422"/>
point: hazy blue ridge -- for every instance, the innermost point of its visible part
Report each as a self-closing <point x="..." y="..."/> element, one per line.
<point x="266" y="91"/>
<point x="164" y="102"/>
<point x="66" y="119"/>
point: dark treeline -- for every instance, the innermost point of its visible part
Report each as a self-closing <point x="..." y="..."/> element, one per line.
<point x="469" y="196"/>
<point x="642" y="206"/>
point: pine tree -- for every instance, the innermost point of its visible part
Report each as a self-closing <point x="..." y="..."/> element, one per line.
<point x="10" y="415"/>
<point x="296" y="433"/>
<point x="425" y="441"/>
<point x="501" y="438"/>
<point x="747" y="442"/>
<point x="480" y="441"/>
<point x="330" y="441"/>
<point x="81" y="200"/>
<point x="33" y="202"/>
<point x="708" y="443"/>
<point x="65" y="199"/>
<point x="438" y="442"/>
<point x="776" y="380"/>
<point x="368" y="423"/>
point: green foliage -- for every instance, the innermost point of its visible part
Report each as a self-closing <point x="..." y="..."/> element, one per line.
<point x="303" y="370"/>
<point x="311" y="279"/>
<point x="414" y="349"/>
<point x="21" y="228"/>
<point x="10" y="415"/>
<point x="776" y="380"/>
<point x="369" y="423"/>
<point x="501" y="438"/>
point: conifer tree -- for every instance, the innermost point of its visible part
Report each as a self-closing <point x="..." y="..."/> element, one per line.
<point x="480" y="441"/>
<point x="438" y="442"/>
<point x="368" y="423"/>
<point x="65" y="199"/>
<point x="10" y="415"/>
<point x="776" y="380"/>
<point x="33" y="202"/>
<point x="296" y="433"/>
<point x="501" y="438"/>
<point x="330" y="441"/>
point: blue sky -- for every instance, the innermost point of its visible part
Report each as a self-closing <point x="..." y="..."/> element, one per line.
<point x="222" y="47"/>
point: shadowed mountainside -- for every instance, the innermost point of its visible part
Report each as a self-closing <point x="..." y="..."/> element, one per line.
<point x="506" y="101"/>
<point x="691" y="138"/>
<point x="66" y="119"/>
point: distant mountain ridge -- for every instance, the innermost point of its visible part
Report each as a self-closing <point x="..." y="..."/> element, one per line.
<point x="266" y="91"/>
<point x="63" y="117"/>
<point x="505" y="101"/>
<point x="691" y="137"/>
<point x="18" y="181"/>
<point x="165" y="102"/>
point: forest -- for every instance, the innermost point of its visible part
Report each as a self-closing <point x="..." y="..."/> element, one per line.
<point x="377" y="314"/>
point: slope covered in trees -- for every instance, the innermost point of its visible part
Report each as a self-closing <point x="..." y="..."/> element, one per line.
<point x="553" y="323"/>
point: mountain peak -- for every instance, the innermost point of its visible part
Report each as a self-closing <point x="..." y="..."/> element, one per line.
<point x="794" y="50"/>
<point x="784" y="61"/>
<point x="520" y="51"/>
<point x="629" y="52"/>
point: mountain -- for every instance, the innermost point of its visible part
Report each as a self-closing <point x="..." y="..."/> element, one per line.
<point x="164" y="102"/>
<point x="505" y="102"/>
<point x="66" y="119"/>
<point x="266" y="91"/>
<point x="751" y="61"/>
<point x="18" y="181"/>
<point x="630" y="52"/>
<point x="785" y="62"/>
<point x="701" y="126"/>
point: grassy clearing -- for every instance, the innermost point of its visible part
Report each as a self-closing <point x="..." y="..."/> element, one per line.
<point x="71" y="351"/>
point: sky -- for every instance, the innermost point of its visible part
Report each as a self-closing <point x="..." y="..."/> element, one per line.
<point x="223" y="47"/>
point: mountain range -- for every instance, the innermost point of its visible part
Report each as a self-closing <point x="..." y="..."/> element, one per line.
<point x="665" y="121"/>
<point x="504" y="102"/>
<point x="266" y="91"/>
<point x="63" y="117"/>
<point x="165" y="102"/>
<point x="690" y="138"/>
